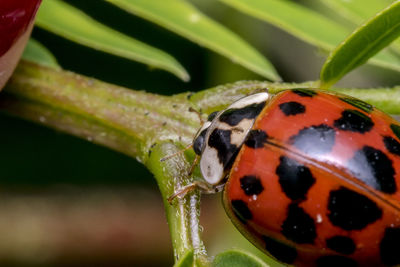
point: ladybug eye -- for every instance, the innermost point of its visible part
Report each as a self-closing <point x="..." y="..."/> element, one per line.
<point x="198" y="142"/>
<point x="212" y="116"/>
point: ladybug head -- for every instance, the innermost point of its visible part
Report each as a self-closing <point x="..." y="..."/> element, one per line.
<point x="219" y="139"/>
<point x="198" y="141"/>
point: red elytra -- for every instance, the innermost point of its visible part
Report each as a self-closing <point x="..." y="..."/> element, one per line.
<point x="317" y="182"/>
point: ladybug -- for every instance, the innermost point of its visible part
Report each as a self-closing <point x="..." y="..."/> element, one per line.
<point x="310" y="177"/>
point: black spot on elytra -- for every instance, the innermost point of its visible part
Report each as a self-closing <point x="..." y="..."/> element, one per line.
<point x="389" y="247"/>
<point x="358" y="103"/>
<point x="233" y="116"/>
<point x="256" y="138"/>
<point x="350" y="210"/>
<point x="354" y="121"/>
<point x="298" y="226"/>
<point x="292" y="108"/>
<point x="198" y="143"/>
<point x="396" y="129"/>
<point x="392" y="145"/>
<point x="304" y="92"/>
<point x="294" y="178"/>
<point x="212" y="115"/>
<point x="221" y="141"/>
<point x="336" y="261"/>
<point x="341" y="244"/>
<point x="251" y="185"/>
<point x="314" y="140"/>
<point x="374" y="168"/>
<point x="241" y="210"/>
<point x="280" y="251"/>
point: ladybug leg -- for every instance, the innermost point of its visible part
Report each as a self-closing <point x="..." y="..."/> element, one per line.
<point x="177" y="153"/>
<point x="195" y="161"/>
<point x="201" y="185"/>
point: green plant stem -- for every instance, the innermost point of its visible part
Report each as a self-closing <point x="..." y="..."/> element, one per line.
<point x="142" y="125"/>
<point x="183" y="215"/>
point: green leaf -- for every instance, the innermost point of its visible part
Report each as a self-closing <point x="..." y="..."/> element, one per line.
<point x="36" y="52"/>
<point x="306" y="24"/>
<point x="357" y="11"/>
<point x="237" y="258"/>
<point x="184" y="19"/>
<point x="362" y="44"/>
<point x="62" y="19"/>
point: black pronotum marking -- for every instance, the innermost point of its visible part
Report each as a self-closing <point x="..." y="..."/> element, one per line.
<point x="256" y="138"/>
<point x="358" y="103"/>
<point x="389" y="247"/>
<point x="350" y="210"/>
<point x="341" y="244"/>
<point x="298" y="226"/>
<point x="221" y="141"/>
<point x="251" y="185"/>
<point x="374" y="168"/>
<point x="294" y="178"/>
<point x="234" y="116"/>
<point x="396" y="129"/>
<point x="241" y="210"/>
<point x="304" y="92"/>
<point x="212" y="115"/>
<point x="198" y="143"/>
<point x="354" y="121"/>
<point x="336" y="261"/>
<point x="314" y="140"/>
<point x="292" y="108"/>
<point x="280" y="251"/>
<point x="392" y="145"/>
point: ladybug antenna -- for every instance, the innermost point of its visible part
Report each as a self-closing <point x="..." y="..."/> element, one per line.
<point x="188" y="146"/>
<point x="177" y="153"/>
<point x="198" y="113"/>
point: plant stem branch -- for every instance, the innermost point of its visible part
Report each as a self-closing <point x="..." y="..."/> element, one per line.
<point x="144" y="126"/>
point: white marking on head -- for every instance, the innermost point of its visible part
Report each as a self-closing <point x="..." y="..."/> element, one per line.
<point x="211" y="169"/>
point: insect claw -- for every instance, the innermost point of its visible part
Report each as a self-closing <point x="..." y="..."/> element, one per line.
<point x="202" y="186"/>
<point x="182" y="192"/>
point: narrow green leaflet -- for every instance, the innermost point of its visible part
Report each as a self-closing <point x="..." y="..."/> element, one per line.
<point x="357" y="11"/>
<point x="306" y="24"/>
<point x="362" y="44"/>
<point x="63" y="19"/>
<point x="237" y="258"/>
<point x="36" y="52"/>
<point x="184" y="19"/>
